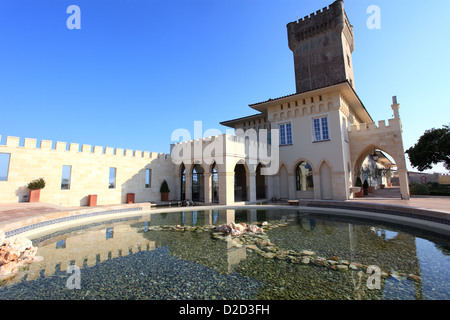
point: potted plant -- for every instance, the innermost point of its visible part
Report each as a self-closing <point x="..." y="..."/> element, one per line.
<point x="35" y="187"/>
<point x="359" y="184"/>
<point x="366" y="187"/>
<point x="164" y="191"/>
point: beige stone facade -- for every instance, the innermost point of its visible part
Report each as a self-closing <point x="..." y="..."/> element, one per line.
<point x="89" y="172"/>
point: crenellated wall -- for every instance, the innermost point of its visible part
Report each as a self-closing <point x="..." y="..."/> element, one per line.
<point x="89" y="172"/>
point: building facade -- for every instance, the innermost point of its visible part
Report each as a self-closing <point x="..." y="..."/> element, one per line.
<point x="308" y="145"/>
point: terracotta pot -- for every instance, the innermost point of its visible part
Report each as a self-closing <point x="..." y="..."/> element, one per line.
<point x="130" y="197"/>
<point x="92" y="200"/>
<point x="164" y="196"/>
<point x="360" y="194"/>
<point x="35" y="195"/>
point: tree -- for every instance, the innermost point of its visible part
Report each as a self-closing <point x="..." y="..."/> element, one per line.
<point x="433" y="147"/>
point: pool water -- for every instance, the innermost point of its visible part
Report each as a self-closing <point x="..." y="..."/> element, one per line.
<point x="147" y="257"/>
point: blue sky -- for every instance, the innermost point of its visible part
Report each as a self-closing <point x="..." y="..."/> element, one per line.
<point x="139" y="69"/>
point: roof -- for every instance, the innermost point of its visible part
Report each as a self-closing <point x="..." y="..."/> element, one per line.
<point x="229" y="123"/>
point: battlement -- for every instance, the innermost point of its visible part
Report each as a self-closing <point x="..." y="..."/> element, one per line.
<point x="29" y="143"/>
<point x="365" y="128"/>
<point x="331" y="17"/>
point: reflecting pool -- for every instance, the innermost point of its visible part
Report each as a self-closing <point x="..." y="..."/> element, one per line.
<point x="180" y="255"/>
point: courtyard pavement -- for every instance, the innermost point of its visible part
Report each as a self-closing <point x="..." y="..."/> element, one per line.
<point x="14" y="213"/>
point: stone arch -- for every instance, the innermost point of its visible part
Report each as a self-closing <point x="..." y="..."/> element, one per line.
<point x="300" y="160"/>
<point x="304" y="110"/>
<point x="182" y="178"/>
<point x="326" y="181"/>
<point x="303" y="172"/>
<point x="260" y="182"/>
<point x="214" y="183"/>
<point x="241" y="181"/>
<point x="284" y="182"/>
<point x="327" y="162"/>
<point x="289" y="115"/>
<point x="275" y="116"/>
<point x="398" y="159"/>
<point x="198" y="182"/>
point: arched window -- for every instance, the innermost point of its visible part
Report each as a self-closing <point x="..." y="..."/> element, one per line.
<point x="183" y="182"/>
<point x="197" y="183"/>
<point x="214" y="184"/>
<point x="304" y="177"/>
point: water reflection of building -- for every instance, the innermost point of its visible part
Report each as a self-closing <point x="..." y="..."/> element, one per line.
<point x="87" y="248"/>
<point x="84" y="248"/>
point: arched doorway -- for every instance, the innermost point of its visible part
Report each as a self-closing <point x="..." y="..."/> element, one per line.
<point x="240" y="183"/>
<point x="260" y="183"/>
<point x="182" y="182"/>
<point x="284" y="184"/>
<point x="326" y="186"/>
<point x="198" y="184"/>
<point x="214" y="184"/>
<point x="304" y="177"/>
<point x="378" y="168"/>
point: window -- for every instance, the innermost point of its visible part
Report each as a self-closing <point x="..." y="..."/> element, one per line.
<point x="320" y="126"/>
<point x="65" y="177"/>
<point x="61" y="244"/>
<point x="4" y="166"/>
<point x="215" y="184"/>
<point x="285" y="134"/>
<point x="112" y="178"/>
<point x="109" y="233"/>
<point x="148" y="178"/>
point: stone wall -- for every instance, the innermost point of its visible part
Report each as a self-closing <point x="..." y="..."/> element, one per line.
<point x="322" y="44"/>
<point x="89" y="172"/>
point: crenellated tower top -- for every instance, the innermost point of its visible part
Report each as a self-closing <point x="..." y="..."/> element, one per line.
<point x="322" y="44"/>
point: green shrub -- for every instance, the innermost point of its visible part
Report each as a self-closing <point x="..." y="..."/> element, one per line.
<point x="435" y="184"/>
<point x="358" y="182"/>
<point x="36" y="184"/>
<point x="365" y="184"/>
<point x="419" y="189"/>
<point x="164" y="187"/>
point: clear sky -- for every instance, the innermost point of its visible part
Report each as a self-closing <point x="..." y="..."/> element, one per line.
<point x="139" y="69"/>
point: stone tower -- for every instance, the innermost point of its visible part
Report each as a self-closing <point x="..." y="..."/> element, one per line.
<point x="322" y="44"/>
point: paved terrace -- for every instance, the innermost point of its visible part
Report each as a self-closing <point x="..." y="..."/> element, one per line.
<point x="17" y="215"/>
